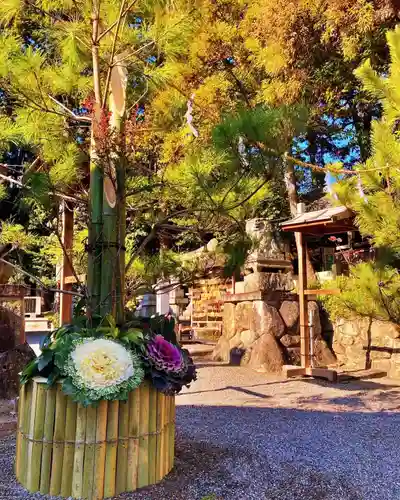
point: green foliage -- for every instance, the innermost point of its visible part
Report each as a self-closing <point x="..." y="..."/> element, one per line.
<point x="371" y="291"/>
<point x="378" y="209"/>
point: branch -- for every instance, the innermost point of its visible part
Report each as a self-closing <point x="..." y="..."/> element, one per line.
<point x="113" y="48"/>
<point x="249" y="196"/>
<point x="112" y="26"/>
<point x="71" y="113"/>
<point x="55" y="290"/>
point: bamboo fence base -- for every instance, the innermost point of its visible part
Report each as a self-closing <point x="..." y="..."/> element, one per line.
<point x="92" y="453"/>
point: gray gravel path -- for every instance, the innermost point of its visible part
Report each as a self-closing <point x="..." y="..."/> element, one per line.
<point x="244" y="436"/>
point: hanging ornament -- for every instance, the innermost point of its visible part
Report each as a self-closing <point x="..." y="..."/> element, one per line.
<point x="360" y="189"/>
<point x="328" y="182"/>
<point x="189" y="117"/>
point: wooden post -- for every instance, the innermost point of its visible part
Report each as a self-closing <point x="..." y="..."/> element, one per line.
<point x="66" y="269"/>
<point x="303" y="304"/>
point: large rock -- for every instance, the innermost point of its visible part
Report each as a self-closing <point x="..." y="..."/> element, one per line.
<point x="266" y="319"/>
<point x="290" y="314"/>
<point x="248" y="337"/>
<point x="290" y="340"/>
<point x="7" y="337"/>
<point x="323" y="356"/>
<point x="266" y="355"/>
<point x="11" y="364"/>
<point x="383" y="329"/>
<point x="316" y="323"/>
<point x="294" y="356"/>
<point x="243" y="316"/>
<point x="222" y="350"/>
<point x="229" y="321"/>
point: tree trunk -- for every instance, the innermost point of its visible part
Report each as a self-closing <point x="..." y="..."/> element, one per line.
<point x="290" y="182"/>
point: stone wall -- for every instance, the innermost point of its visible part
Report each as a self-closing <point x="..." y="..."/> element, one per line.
<point x="361" y="344"/>
<point x="268" y="332"/>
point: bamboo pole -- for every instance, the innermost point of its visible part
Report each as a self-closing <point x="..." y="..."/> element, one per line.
<point x="153" y="435"/>
<point x="58" y="446"/>
<point x="88" y="463"/>
<point x="111" y="451"/>
<point x="133" y="445"/>
<point x="165" y="434"/>
<point x="172" y="433"/>
<point x="36" y="434"/>
<point x="80" y="435"/>
<point x="21" y="413"/>
<point x="143" y="468"/>
<point x="160" y="424"/>
<point x="100" y="451"/>
<point x="69" y="448"/>
<point x="48" y="438"/>
<point x="122" y="453"/>
<point x="25" y="431"/>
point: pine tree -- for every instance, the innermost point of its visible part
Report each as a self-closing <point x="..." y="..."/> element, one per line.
<point x="72" y="70"/>
<point x="372" y="289"/>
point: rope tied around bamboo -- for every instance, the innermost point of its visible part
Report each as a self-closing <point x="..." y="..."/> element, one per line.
<point x="104" y="441"/>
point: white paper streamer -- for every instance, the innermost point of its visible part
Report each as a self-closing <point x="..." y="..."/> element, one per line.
<point x="189" y="117"/>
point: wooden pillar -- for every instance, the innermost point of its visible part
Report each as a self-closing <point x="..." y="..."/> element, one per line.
<point x="67" y="218"/>
<point x="303" y="304"/>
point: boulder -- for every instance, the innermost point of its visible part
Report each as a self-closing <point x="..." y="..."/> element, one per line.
<point x="317" y="329"/>
<point x="382" y="329"/>
<point x="11" y="364"/>
<point x="221" y="351"/>
<point x="293" y="355"/>
<point x="266" y="354"/>
<point x="235" y="341"/>
<point x="243" y="316"/>
<point x="266" y="319"/>
<point x="290" y="314"/>
<point x="247" y="337"/>
<point x="7" y="337"/>
<point x="246" y="357"/>
<point x="290" y="340"/>
<point x="228" y="319"/>
<point x="323" y="356"/>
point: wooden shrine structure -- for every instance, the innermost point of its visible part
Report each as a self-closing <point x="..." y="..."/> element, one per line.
<point x="334" y="220"/>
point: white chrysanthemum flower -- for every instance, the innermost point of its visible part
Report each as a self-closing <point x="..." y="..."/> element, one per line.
<point x="102" y="363"/>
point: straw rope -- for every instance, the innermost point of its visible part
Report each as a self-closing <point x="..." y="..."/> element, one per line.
<point x="29" y="438"/>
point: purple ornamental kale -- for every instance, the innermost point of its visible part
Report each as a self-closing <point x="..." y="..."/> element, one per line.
<point x="164" y="356"/>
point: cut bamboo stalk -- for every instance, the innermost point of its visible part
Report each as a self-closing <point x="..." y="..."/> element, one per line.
<point x="111" y="450"/>
<point x="160" y="397"/>
<point x="122" y="453"/>
<point x="100" y="451"/>
<point x="143" y="468"/>
<point x="29" y="434"/>
<point x="88" y="464"/>
<point x="162" y="435"/>
<point x="35" y="447"/>
<point x="80" y="435"/>
<point x="48" y="441"/>
<point x="69" y="448"/>
<point x="152" y="435"/>
<point x="133" y="445"/>
<point x="25" y="431"/>
<point x="58" y="445"/>
<point x="166" y="435"/>
<point x="172" y="433"/>
<point x="21" y="413"/>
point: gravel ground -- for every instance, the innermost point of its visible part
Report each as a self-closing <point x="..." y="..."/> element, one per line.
<point x="243" y="436"/>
